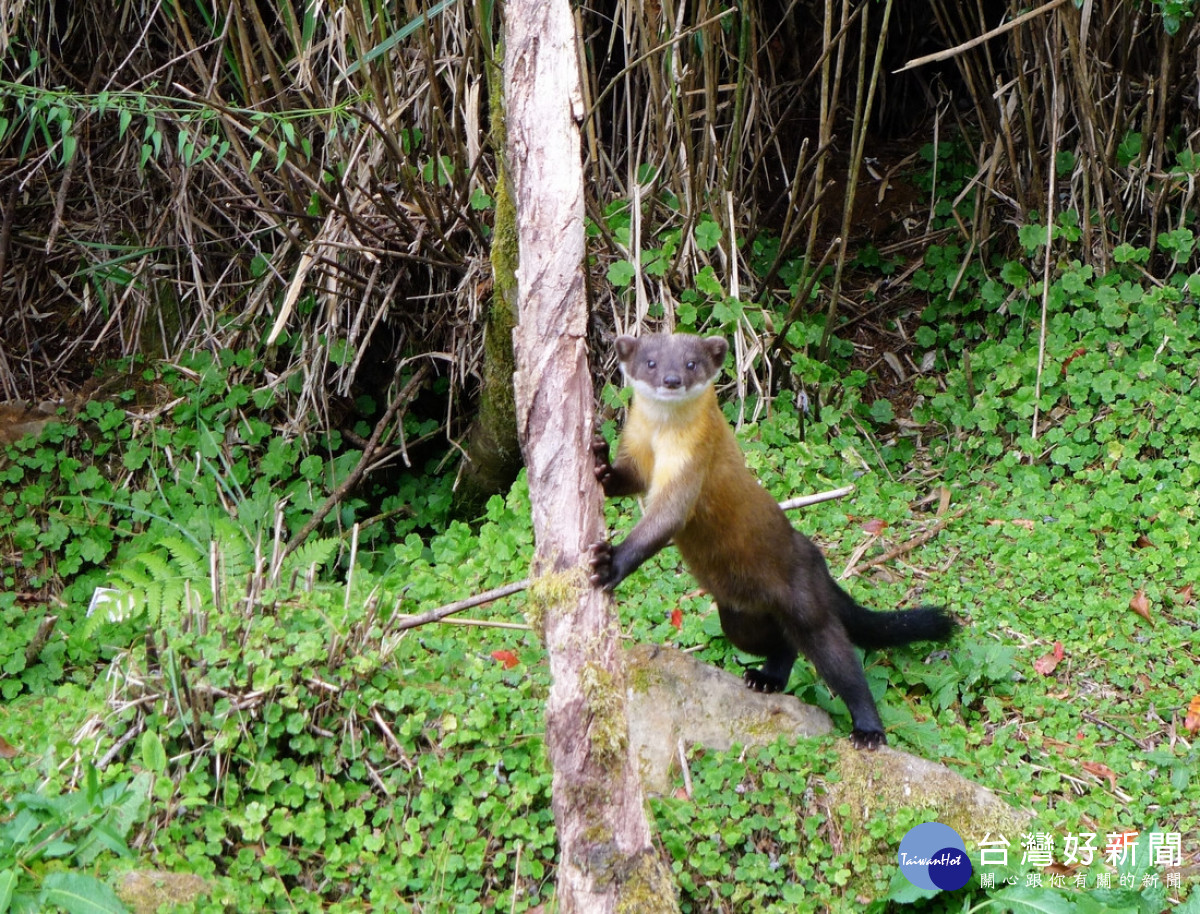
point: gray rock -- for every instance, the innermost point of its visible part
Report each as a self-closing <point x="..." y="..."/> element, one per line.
<point x="674" y="698"/>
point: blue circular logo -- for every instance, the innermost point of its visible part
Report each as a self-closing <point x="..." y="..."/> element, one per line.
<point x="933" y="856"/>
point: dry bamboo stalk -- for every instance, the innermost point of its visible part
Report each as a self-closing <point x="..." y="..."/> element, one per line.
<point x="986" y="36"/>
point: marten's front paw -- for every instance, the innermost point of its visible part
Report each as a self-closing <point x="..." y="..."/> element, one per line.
<point x="600" y="557"/>
<point x="867" y="739"/>
<point x="761" y="682"/>
<point x="603" y="465"/>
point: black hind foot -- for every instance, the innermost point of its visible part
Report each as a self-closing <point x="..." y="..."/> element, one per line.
<point x="867" y="739"/>
<point x="762" y="681"/>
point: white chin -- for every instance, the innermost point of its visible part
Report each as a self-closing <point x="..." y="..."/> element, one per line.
<point x="666" y="394"/>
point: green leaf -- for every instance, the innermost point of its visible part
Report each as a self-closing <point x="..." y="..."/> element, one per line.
<point x="8" y="879"/>
<point x="882" y="412"/>
<point x="78" y="893"/>
<point x="707" y="234"/>
<point x="707" y="282"/>
<point x="154" y="756"/>
<point x="1023" y="899"/>
<point x="1014" y="273"/>
<point x="1031" y="237"/>
<point x="620" y="274"/>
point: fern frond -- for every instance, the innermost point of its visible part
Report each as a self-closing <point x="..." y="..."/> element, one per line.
<point x="192" y="562"/>
<point x="315" y="553"/>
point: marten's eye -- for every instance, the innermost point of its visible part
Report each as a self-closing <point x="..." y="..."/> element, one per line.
<point x="650" y="363"/>
<point x="691" y="366"/>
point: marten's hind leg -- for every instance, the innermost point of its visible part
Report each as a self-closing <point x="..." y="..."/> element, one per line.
<point x="761" y="635"/>
<point x="831" y="652"/>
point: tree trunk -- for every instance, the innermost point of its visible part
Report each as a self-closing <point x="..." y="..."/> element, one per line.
<point x="492" y="456"/>
<point x="607" y="862"/>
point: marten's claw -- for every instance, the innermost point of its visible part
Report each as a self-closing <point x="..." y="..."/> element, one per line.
<point x="603" y="465"/>
<point x="600" y="558"/>
<point x="760" y="682"/>
<point x="868" y="739"/>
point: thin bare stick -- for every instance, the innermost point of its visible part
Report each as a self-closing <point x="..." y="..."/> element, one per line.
<point x="980" y="39"/>
<point x="488" y="596"/>
<point x="1048" y="254"/>
<point x="907" y="546"/>
<point x="803" y="501"/>
<point x="488" y="623"/>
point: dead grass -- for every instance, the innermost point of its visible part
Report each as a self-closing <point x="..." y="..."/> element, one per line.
<point x="219" y="174"/>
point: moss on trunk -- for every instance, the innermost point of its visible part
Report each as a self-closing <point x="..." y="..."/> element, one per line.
<point x="492" y="452"/>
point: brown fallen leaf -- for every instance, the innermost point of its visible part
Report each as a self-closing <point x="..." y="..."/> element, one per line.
<point x="7" y="750"/>
<point x="1101" y="771"/>
<point x="1185" y="595"/>
<point x="1140" y="604"/>
<point x="1061" y="869"/>
<point x="1022" y="522"/>
<point x="875" y="527"/>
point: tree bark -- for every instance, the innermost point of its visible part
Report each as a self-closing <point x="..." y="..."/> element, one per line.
<point x="492" y="456"/>
<point x="607" y="861"/>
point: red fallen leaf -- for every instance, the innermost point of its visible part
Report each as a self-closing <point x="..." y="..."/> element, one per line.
<point x="7" y="750"/>
<point x="1184" y="595"/>
<point x="677" y="617"/>
<point x="1072" y="357"/>
<point x="508" y="658"/>
<point x="1047" y="662"/>
<point x="1140" y="604"/>
<point x="681" y="794"/>
<point x="1191" y="723"/>
<point x="875" y="527"/>
<point x="1101" y="771"/>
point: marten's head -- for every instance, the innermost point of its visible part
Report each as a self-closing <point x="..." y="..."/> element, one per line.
<point x="671" y="367"/>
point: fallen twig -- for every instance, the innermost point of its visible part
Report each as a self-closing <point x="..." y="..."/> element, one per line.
<point x="802" y="501"/>
<point x="435" y="615"/>
<point x="907" y="546"/>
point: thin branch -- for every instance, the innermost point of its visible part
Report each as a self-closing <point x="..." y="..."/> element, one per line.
<point x="907" y="546"/>
<point x="436" y="615"/>
<point x="980" y="39"/>
<point x="803" y="501"/>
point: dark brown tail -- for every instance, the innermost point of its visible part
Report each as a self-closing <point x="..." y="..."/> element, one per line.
<point x="870" y="629"/>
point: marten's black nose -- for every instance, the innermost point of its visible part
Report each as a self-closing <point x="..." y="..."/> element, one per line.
<point x="672" y="381"/>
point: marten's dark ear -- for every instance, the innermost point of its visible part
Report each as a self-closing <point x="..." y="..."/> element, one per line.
<point x="625" y="347"/>
<point x="717" y="349"/>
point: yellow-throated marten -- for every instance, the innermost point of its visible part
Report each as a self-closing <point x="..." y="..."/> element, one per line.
<point x="774" y="593"/>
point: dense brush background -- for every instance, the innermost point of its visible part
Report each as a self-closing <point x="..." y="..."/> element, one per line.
<point x="177" y="175"/>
